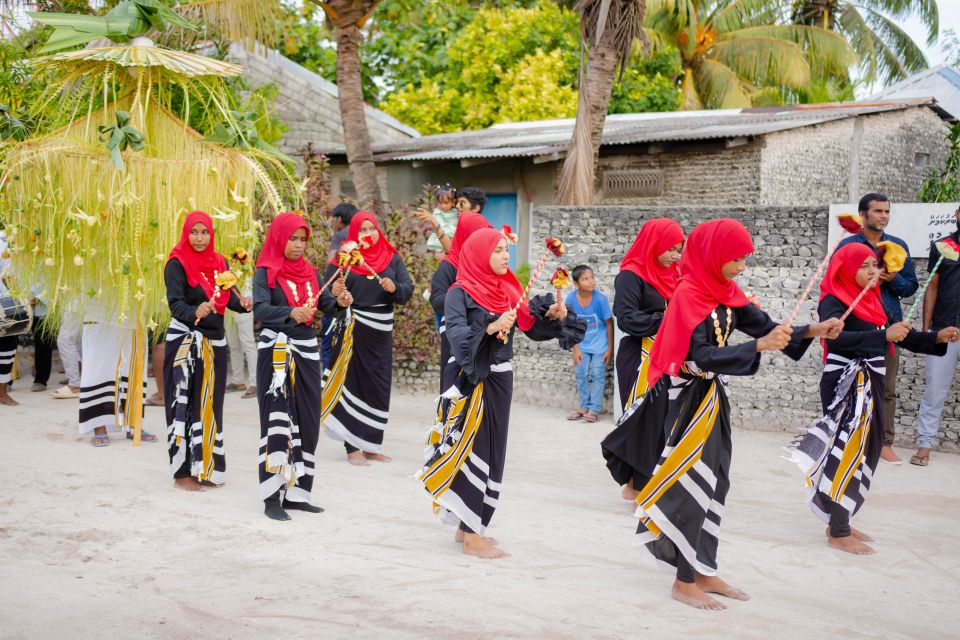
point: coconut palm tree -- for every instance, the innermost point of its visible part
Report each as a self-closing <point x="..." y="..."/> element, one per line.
<point x="348" y="17"/>
<point x="872" y="27"/>
<point x="608" y="29"/>
<point x="735" y="51"/>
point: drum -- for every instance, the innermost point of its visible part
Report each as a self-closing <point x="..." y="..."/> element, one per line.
<point x="16" y="317"/>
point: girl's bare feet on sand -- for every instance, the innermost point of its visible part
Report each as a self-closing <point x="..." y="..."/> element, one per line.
<point x="850" y="545"/>
<point x="856" y="534"/>
<point x="475" y="545"/>
<point x="5" y="397"/>
<point x="713" y="584"/>
<point x="628" y="492"/>
<point x="692" y="595"/>
<point x="379" y="457"/>
<point x="459" y="537"/>
<point x="357" y="459"/>
<point x="188" y="484"/>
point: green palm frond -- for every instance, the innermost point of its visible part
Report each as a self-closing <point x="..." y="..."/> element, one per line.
<point x="862" y="39"/>
<point x="825" y="49"/>
<point x="901" y="10"/>
<point x="243" y="21"/>
<point x="900" y="53"/>
<point x="659" y="40"/>
<point x="720" y="86"/>
<point x="682" y="12"/>
<point x="177" y="63"/>
<point x="764" y="60"/>
<point x="744" y="13"/>
<point x="689" y="96"/>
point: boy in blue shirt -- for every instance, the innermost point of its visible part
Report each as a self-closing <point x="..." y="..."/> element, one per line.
<point x="591" y="357"/>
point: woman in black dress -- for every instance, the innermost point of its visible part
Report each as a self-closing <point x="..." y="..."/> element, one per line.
<point x="195" y="356"/>
<point x="840" y="451"/>
<point x="356" y="387"/>
<point x="646" y="282"/>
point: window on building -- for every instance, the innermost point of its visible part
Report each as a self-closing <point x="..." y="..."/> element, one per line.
<point x="921" y="160"/>
<point x="632" y="183"/>
<point x="347" y="190"/>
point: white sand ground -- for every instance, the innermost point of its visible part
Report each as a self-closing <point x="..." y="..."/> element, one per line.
<point x="96" y="543"/>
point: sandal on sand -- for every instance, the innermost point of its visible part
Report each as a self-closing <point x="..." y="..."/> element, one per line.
<point x="590" y="417"/>
<point x="235" y="386"/>
<point x="919" y="460"/>
<point x="576" y="415"/>
<point x="100" y="440"/>
<point x="151" y="402"/>
<point x="145" y="436"/>
<point x="64" y="393"/>
<point x="251" y="392"/>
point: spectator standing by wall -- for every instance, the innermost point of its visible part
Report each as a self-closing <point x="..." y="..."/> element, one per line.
<point x="941" y="308"/>
<point x="594" y="353"/>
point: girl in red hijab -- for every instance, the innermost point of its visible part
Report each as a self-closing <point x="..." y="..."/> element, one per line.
<point x="646" y="282"/>
<point x="465" y="466"/>
<point x="444" y="277"/>
<point x="839" y="452"/>
<point x="286" y="297"/>
<point x="356" y="393"/>
<point x="681" y="506"/>
<point x="195" y="356"/>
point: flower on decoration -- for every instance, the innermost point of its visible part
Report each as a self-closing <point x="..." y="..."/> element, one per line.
<point x="49" y="262"/>
<point x="240" y="255"/>
<point x="560" y="278"/>
<point x="508" y="233"/>
<point x="851" y="222"/>
<point x="78" y="261"/>
<point x="556" y="246"/>
<point x="226" y="280"/>
<point x="949" y="248"/>
<point x="892" y="255"/>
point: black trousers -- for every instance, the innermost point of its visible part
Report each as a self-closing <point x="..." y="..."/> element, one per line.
<point x="839" y="521"/>
<point x="43" y="346"/>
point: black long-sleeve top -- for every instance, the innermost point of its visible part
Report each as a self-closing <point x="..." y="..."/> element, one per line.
<point x="367" y="292"/>
<point x="637" y="305"/>
<point x="184" y="300"/>
<point x="475" y="350"/>
<point x="272" y="309"/>
<point x="862" y="339"/>
<point x="443" y="277"/>
<point x="739" y="359"/>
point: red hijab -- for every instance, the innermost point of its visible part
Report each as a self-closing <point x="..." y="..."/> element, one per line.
<point x="702" y="288"/>
<point x="495" y="293"/>
<point x="655" y="237"/>
<point x="298" y="278"/>
<point x="377" y="256"/>
<point x="201" y="267"/>
<point x="468" y="223"/>
<point x="841" y="283"/>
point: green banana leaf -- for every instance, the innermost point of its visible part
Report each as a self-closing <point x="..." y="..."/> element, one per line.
<point x="120" y="136"/>
<point x="14" y="125"/>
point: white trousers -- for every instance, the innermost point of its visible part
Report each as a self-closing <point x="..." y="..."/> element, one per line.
<point x="69" y="343"/>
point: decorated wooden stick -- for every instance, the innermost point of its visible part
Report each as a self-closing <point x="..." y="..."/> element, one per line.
<point x="560" y="280"/>
<point x="948" y="249"/>
<point x="554" y="246"/>
<point x="851" y="223"/>
<point x="856" y="301"/>
<point x="223" y="282"/>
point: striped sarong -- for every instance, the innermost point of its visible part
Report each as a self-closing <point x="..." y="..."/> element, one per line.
<point x="839" y="452"/>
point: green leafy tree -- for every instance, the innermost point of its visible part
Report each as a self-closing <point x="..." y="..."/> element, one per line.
<point x="736" y="52"/>
<point x="943" y="184"/>
<point x="873" y="28"/>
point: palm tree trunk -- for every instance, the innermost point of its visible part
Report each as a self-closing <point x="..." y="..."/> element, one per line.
<point x="355" y="133"/>
<point x="579" y="168"/>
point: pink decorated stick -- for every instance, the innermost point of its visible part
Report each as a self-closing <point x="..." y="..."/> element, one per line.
<point x="850" y="223"/>
<point x="554" y="246"/>
<point x="856" y="301"/>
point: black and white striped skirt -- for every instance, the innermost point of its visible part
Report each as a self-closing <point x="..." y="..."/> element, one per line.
<point x="109" y="353"/>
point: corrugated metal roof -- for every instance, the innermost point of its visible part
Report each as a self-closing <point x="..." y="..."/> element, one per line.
<point x="940" y="82"/>
<point x="524" y="139"/>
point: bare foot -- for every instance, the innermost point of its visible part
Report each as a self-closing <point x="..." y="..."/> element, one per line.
<point x="188" y="484"/>
<point x="856" y="534"/>
<point x="628" y="492"/>
<point x="692" y="595"/>
<point x="7" y="400"/>
<point x="458" y="537"/>
<point x="357" y="459"/>
<point x="474" y="545"/>
<point x="212" y="485"/>
<point x="850" y="545"/>
<point x="379" y="457"/>
<point x="713" y="584"/>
